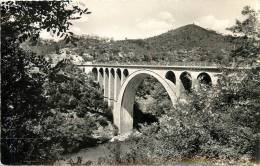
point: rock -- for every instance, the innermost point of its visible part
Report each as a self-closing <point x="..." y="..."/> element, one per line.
<point x="104" y="132"/>
<point x="125" y="136"/>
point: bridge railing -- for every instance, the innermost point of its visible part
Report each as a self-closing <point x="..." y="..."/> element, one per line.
<point x="212" y="64"/>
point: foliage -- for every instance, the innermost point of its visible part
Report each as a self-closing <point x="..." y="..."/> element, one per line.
<point x="23" y="101"/>
<point x="190" y="43"/>
<point x="69" y="89"/>
<point x="217" y="123"/>
<point x="249" y="29"/>
<point x="152" y="98"/>
<point x="77" y="104"/>
<point x="24" y="19"/>
<point x="74" y="108"/>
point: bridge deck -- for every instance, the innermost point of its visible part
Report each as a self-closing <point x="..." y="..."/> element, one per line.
<point x="160" y="67"/>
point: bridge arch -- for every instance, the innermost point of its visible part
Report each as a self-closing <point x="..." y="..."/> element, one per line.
<point x="95" y="73"/>
<point x="118" y="81"/>
<point x="126" y="73"/>
<point x="170" y="76"/>
<point x="123" y="112"/>
<point x="100" y="77"/>
<point x="186" y="80"/>
<point x="101" y="71"/>
<point x="118" y="72"/>
<point x="204" y="78"/>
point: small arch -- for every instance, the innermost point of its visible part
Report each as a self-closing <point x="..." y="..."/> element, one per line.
<point x="107" y="71"/>
<point x="101" y="71"/>
<point x="171" y="76"/>
<point x="117" y="83"/>
<point x="101" y="77"/>
<point x="112" y="71"/>
<point x="204" y="79"/>
<point x="95" y="73"/>
<point x="186" y="80"/>
<point x="126" y="73"/>
<point x="83" y="69"/>
<point x="118" y="72"/>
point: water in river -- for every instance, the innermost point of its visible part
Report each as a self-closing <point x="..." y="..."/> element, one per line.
<point x="87" y="154"/>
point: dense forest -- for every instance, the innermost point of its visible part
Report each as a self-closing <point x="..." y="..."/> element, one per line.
<point x="190" y="44"/>
<point x="57" y="109"/>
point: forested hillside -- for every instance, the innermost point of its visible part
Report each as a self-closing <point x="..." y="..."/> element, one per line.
<point x="189" y="43"/>
<point x="192" y="43"/>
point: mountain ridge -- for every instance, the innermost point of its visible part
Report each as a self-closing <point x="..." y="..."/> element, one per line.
<point x="184" y="28"/>
<point x="185" y="44"/>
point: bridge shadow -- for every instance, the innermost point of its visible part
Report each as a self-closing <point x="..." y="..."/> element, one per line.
<point x="140" y="117"/>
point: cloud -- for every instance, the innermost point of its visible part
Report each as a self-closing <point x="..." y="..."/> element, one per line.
<point x="162" y="22"/>
<point x="167" y="16"/>
<point x="212" y="22"/>
<point x="48" y="35"/>
<point x="84" y="18"/>
<point x="153" y="24"/>
<point x="257" y="6"/>
<point x="152" y="27"/>
<point x="146" y="18"/>
<point x="76" y="30"/>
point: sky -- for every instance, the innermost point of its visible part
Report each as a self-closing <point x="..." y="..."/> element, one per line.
<point x="132" y="19"/>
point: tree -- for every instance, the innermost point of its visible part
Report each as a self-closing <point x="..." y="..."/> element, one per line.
<point x="249" y="31"/>
<point x="23" y="101"/>
<point x="77" y="107"/>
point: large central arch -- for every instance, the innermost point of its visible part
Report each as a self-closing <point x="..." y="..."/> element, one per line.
<point x="123" y="111"/>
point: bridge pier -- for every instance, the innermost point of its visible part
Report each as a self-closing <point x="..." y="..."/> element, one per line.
<point x="101" y="78"/>
<point x="195" y="81"/>
<point x="106" y="82"/>
<point x="178" y="84"/>
<point x="117" y="84"/>
<point x="111" y="88"/>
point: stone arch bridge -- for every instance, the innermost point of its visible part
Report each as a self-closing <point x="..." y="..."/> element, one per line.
<point x="120" y="83"/>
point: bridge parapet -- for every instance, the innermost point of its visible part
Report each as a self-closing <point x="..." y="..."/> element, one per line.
<point x="175" y="64"/>
<point x="165" y="67"/>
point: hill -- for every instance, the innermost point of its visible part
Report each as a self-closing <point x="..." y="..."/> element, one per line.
<point x="192" y="43"/>
<point x="190" y="37"/>
<point x="185" y="44"/>
<point x="189" y="43"/>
